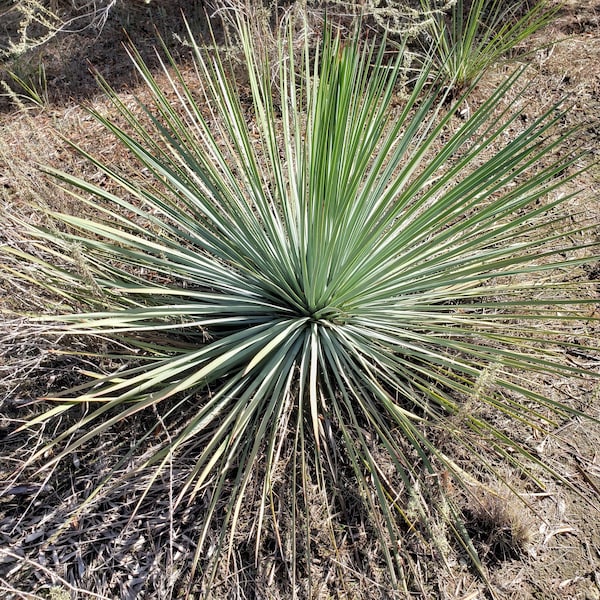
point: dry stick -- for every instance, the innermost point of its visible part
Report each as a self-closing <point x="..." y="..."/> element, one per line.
<point x="6" y="587"/>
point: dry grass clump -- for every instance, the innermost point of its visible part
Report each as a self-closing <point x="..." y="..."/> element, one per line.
<point x="500" y="524"/>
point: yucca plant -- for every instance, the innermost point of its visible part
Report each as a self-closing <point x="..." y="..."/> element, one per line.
<point x="317" y="270"/>
<point x="474" y="34"/>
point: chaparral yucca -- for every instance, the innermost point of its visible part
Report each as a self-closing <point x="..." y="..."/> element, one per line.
<point x="474" y="35"/>
<point x="316" y="267"/>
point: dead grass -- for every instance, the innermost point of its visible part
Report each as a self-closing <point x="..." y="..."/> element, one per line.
<point x="118" y="548"/>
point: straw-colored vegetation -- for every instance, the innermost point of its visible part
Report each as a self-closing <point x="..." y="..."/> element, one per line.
<point x="318" y="299"/>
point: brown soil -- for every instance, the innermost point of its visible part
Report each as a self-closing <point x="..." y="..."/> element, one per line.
<point x="102" y="554"/>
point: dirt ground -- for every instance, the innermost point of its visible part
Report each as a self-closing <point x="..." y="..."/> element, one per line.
<point x="102" y="553"/>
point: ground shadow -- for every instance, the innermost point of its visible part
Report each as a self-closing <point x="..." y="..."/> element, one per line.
<point x="61" y="69"/>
